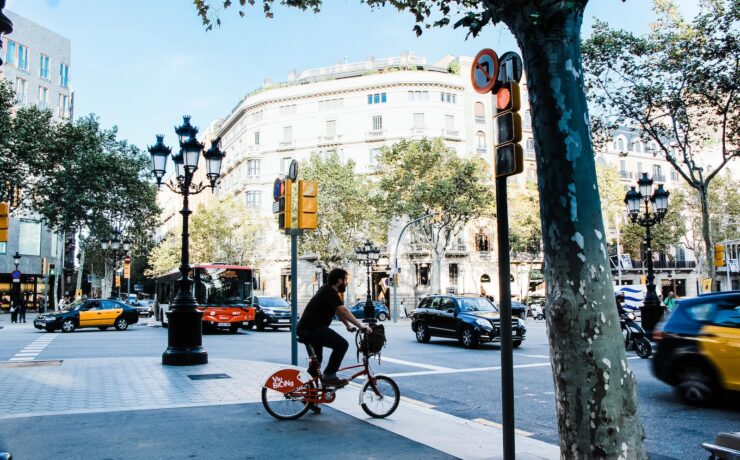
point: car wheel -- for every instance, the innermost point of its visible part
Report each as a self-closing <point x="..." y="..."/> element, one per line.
<point x="516" y="343"/>
<point x="234" y="328"/>
<point x="248" y="325"/>
<point x="696" y="384"/>
<point x="121" y="324"/>
<point x="382" y="316"/>
<point x="422" y="333"/>
<point x="103" y="328"/>
<point x="540" y="317"/>
<point x="68" y="325"/>
<point x="468" y="337"/>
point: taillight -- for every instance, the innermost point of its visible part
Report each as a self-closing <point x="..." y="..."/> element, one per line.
<point x="658" y="335"/>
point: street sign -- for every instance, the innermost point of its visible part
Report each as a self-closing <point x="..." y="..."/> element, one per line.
<point x="733" y="265"/>
<point x="276" y="207"/>
<point x="127" y="259"/>
<point x="276" y="191"/>
<point x="293" y="170"/>
<point x="484" y="71"/>
<point x="509" y="68"/>
<point x="16" y="275"/>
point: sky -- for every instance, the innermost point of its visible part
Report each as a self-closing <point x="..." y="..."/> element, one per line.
<point x="142" y="64"/>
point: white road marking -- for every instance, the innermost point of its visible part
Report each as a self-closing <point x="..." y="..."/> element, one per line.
<point x="459" y="371"/>
<point x="32" y="351"/>
<point x="500" y="426"/>
<point x="21" y="359"/>
<point x="532" y="356"/>
<point x="413" y="364"/>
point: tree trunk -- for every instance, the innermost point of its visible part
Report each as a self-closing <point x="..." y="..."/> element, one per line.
<point x="81" y="269"/>
<point x="595" y="389"/>
<point x="437" y="269"/>
<point x="706" y="231"/>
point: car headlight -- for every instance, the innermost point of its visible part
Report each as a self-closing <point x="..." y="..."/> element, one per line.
<point x="267" y="310"/>
<point x="483" y="323"/>
<point x="213" y="313"/>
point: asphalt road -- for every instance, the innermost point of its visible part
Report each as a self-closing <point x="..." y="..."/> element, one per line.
<point x="464" y="383"/>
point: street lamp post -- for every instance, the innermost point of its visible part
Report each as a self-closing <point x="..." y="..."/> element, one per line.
<point x="651" y="311"/>
<point x="185" y="334"/>
<point x="114" y="244"/>
<point x="368" y="254"/>
<point x="17" y="284"/>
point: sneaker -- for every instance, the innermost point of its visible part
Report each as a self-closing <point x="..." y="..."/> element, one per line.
<point x="314" y="408"/>
<point x="334" y="381"/>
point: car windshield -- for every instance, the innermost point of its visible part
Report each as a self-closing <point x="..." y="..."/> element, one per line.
<point x="74" y="305"/>
<point x="272" y="302"/>
<point x="476" y="304"/>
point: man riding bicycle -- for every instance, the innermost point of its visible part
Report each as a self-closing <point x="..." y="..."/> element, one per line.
<point x="314" y="330"/>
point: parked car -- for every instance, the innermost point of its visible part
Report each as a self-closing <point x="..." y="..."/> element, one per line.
<point x="518" y="309"/>
<point x="89" y="313"/>
<point x="382" y="312"/>
<point x="271" y="312"/>
<point x="699" y="347"/>
<point x="143" y="307"/>
<point x="470" y="319"/>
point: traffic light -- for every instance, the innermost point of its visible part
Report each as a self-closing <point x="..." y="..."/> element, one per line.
<point x="51" y="270"/>
<point x="643" y="280"/>
<point x="285" y="204"/>
<point x="127" y="270"/>
<point x="509" y="156"/>
<point x="4" y="222"/>
<point x="308" y="204"/>
<point x="719" y="255"/>
<point x="43" y="266"/>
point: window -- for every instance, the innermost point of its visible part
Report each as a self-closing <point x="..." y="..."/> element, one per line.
<point x="63" y="75"/>
<point x="527" y="119"/>
<point x="285" y="164"/>
<point x="531" y="173"/>
<point x="482" y="242"/>
<point x="639" y="168"/>
<point x="54" y="244"/>
<point x="331" y="128"/>
<point x="449" y="123"/>
<point x="674" y="175"/>
<point x="376" y="98"/>
<point x="446" y="303"/>
<point x="480" y="140"/>
<point x="256" y="138"/>
<point x="700" y="312"/>
<point x="373" y="160"/>
<point x="453" y="269"/>
<point x="377" y="123"/>
<point x="331" y="104"/>
<point x="22" y="57"/>
<point x="418" y="121"/>
<point x="530" y="144"/>
<point x="480" y="112"/>
<point x="448" y="98"/>
<point x="637" y="146"/>
<point x="29" y="237"/>
<point x="422" y="275"/>
<point x="253" y="167"/>
<point x="20" y="91"/>
<point x="258" y="116"/>
<point x="728" y="315"/>
<point x="43" y="97"/>
<point x="287" y="133"/>
<point x="253" y="199"/>
<point x="619" y="144"/>
<point x="288" y="110"/>
<point x="10" y="54"/>
<point x="657" y="173"/>
<point x="63" y="105"/>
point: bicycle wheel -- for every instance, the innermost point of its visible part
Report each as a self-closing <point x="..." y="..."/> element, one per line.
<point x="383" y="404"/>
<point x="283" y="406"/>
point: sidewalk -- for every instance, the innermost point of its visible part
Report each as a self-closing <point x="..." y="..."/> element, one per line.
<point x="137" y="408"/>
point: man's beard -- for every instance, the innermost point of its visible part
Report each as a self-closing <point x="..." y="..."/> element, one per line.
<point x="342" y="287"/>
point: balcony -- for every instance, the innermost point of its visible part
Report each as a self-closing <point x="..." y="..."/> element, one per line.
<point x="658" y="178"/>
<point x="625" y="174"/>
<point x="415" y="248"/>
<point x="457" y="250"/>
<point x="664" y="264"/>
<point x="326" y="141"/>
<point x="480" y="119"/>
<point x="375" y="135"/>
<point x="481" y="150"/>
<point x="529" y="155"/>
<point x="286" y="145"/>
<point x="452" y="134"/>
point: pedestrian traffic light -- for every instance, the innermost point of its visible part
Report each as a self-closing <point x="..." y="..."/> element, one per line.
<point x="43" y="266"/>
<point x="285" y="204"/>
<point x="719" y="255"/>
<point x="308" y="204"/>
<point x="4" y="222"/>
<point x="509" y="156"/>
<point x="127" y="270"/>
<point x="51" y="270"/>
<point x="643" y="280"/>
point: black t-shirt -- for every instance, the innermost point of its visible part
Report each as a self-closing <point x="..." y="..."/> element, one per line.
<point x="321" y="308"/>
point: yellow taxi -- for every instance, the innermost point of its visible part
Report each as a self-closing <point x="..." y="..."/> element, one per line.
<point x="100" y="313"/>
<point x="698" y="348"/>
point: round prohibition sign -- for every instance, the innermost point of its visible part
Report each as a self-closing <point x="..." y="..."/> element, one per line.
<point x="484" y="71"/>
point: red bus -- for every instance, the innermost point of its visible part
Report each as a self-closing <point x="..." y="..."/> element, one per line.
<point x="223" y="292"/>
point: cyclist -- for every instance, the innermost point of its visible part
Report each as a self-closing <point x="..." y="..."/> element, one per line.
<point x="313" y="327"/>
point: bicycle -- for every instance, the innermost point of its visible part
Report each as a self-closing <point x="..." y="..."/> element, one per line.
<point x="287" y="394"/>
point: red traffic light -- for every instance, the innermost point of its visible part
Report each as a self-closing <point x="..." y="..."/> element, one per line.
<point x="503" y="99"/>
<point x="507" y="97"/>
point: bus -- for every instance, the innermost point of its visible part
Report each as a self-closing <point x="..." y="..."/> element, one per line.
<point x="223" y="292"/>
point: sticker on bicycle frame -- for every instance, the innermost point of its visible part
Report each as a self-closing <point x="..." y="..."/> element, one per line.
<point x="286" y="380"/>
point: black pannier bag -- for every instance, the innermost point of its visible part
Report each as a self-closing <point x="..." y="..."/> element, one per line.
<point x="373" y="341"/>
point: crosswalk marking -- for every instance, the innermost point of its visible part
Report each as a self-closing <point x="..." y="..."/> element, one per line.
<point x="31" y="351"/>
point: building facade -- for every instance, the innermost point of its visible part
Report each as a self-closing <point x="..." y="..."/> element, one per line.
<point x="37" y="62"/>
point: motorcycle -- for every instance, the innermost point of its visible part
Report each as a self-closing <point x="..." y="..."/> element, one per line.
<point x="635" y="335"/>
<point x="537" y="311"/>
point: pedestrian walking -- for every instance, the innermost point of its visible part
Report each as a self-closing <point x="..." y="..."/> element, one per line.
<point x="13" y="312"/>
<point x="22" y="309"/>
<point x="670" y="302"/>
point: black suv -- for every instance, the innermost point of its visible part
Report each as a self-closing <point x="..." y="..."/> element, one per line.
<point x="470" y="319"/>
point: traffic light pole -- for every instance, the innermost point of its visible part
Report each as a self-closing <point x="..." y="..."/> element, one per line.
<point x="507" y="360"/>
<point x="294" y="234"/>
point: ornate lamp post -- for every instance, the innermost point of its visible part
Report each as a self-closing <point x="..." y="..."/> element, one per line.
<point x="17" y="259"/>
<point x="114" y="244"/>
<point x="651" y="311"/>
<point x="185" y="334"/>
<point x="368" y="255"/>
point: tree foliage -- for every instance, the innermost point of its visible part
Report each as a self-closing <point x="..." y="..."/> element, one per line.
<point x="678" y="86"/>
<point x="426" y="177"/>
<point x="347" y="216"/>
<point x="525" y="230"/>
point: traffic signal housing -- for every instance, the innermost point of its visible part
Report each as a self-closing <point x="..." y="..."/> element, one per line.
<point x="308" y="204"/>
<point x="52" y="271"/>
<point x="4" y="222"/>
<point x="508" y="156"/>
<point x="43" y="266"/>
<point x="285" y="205"/>
<point x="719" y="255"/>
